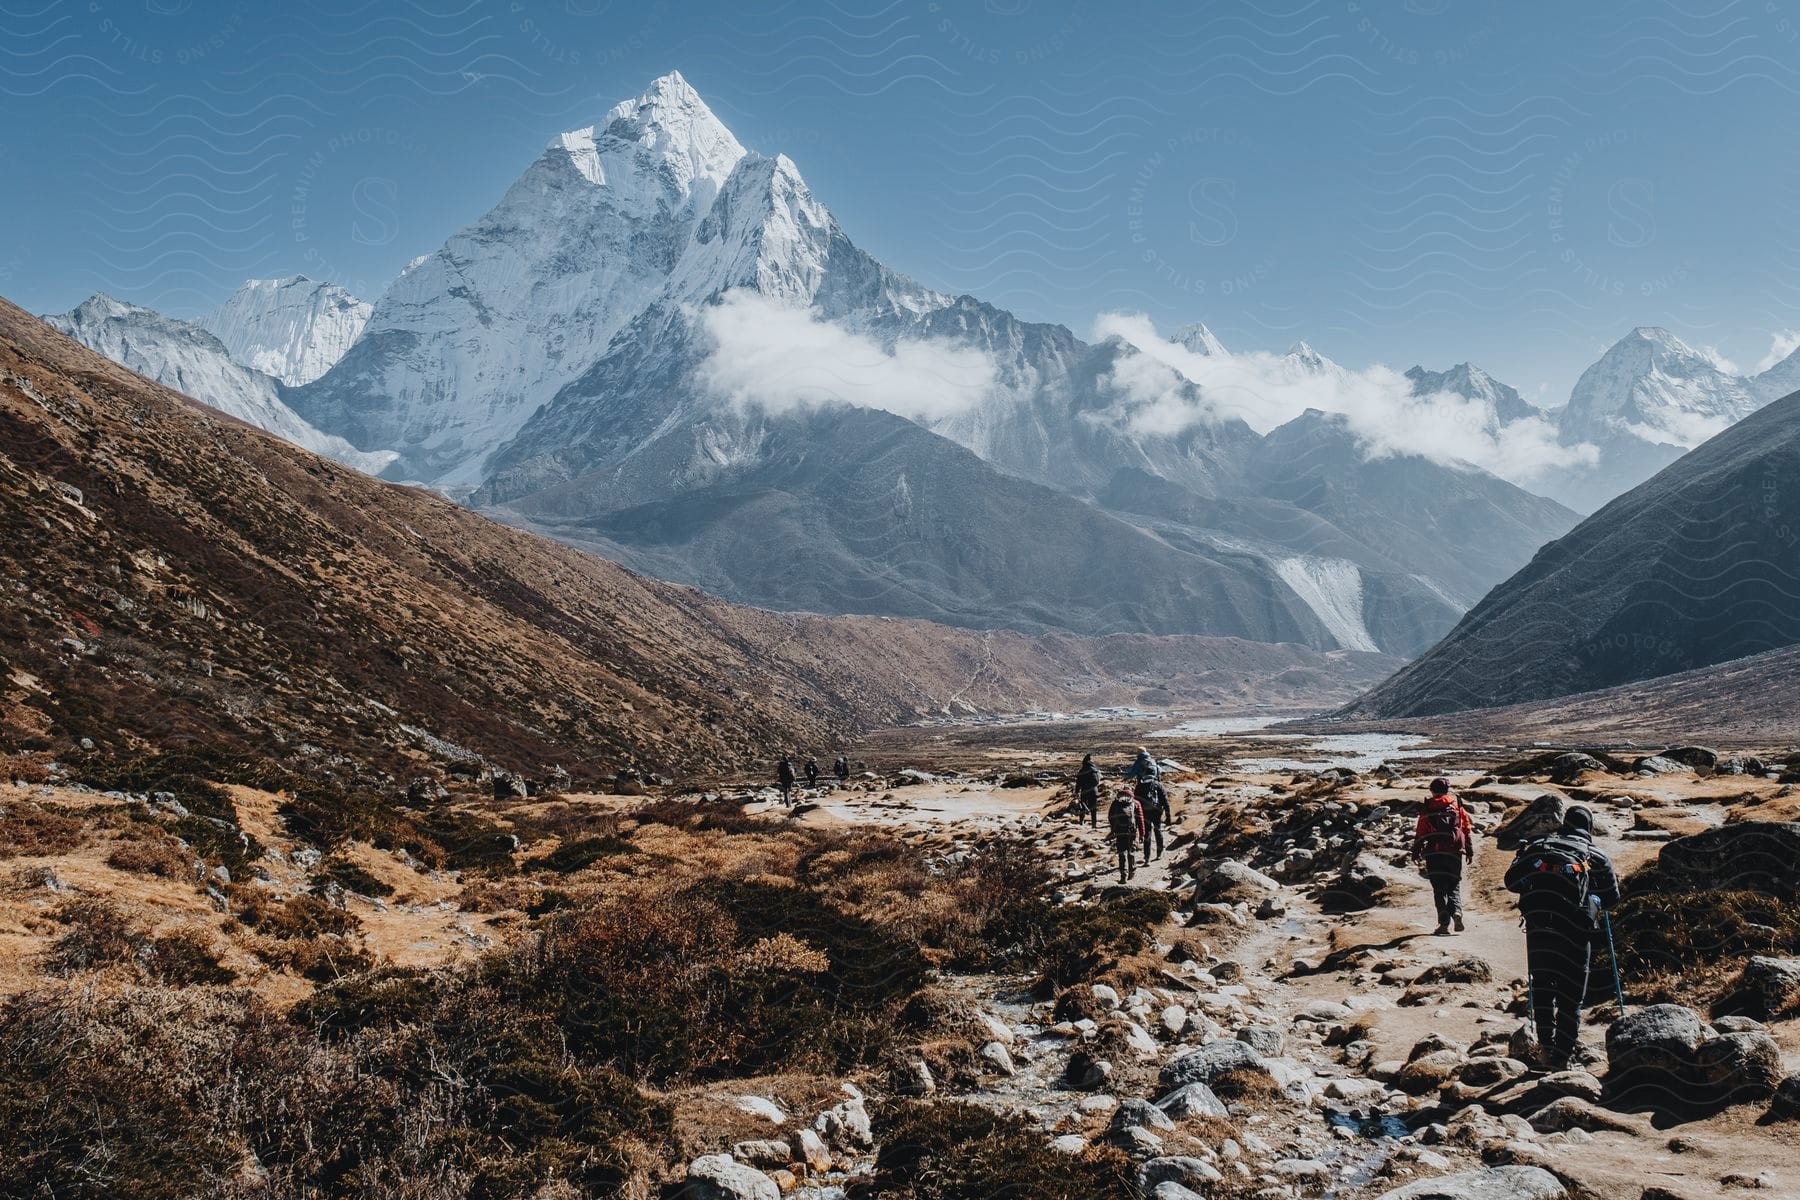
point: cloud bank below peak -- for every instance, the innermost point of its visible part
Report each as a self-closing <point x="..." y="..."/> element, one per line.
<point x="771" y="355"/>
<point x="1152" y="397"/>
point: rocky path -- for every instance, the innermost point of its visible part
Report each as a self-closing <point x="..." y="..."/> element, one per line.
<point x="1307" y="1052"/>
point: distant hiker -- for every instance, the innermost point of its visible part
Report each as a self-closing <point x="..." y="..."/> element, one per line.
<point x="1563" y="883"/>
<point x="1087" y="791"/>
<point x="1442" y="842"/>
<point x="812" y="771"/>
<point x="1142" y="767"/>
<point x="1125" y="827"/>
<point x="841" y="768"/>
<point x="784" y="775"/>
<point x="1153" y="798"/>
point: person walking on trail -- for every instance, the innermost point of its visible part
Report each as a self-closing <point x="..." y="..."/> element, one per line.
<point x="812" y="771"/>
<point x="1153" y="798"/>
<point x="1087" y="791"/>
<point x="1142" y="767"/>
<point x="1125" y="828"/>
<point x="1443" y="841"/>
<point x="841" y="768"/>
<point x="1563" y="883"/>
<point x="784" y="775"/>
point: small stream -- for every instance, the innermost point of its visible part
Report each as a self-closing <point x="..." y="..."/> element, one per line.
<point x="1311" y="752"/>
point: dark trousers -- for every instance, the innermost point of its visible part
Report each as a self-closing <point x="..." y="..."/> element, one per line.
<point x="1127" y="863"/>
<point x="1445" y="872"/>
<point x="1154" y="833"/>
<point x="1089" y="804"/>
<point x="1557" y="953"/>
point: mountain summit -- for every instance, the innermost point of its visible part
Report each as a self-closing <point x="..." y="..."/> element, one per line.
<point x="293" y="329"/>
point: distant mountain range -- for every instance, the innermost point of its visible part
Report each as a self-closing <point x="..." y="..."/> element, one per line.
<point x="661" y="345"/>
<point x="1697" y="567"/>
<point x="187" y="581"/>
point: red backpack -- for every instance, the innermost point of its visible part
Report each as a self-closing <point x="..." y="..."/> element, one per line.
<point x="1443" y="831"/>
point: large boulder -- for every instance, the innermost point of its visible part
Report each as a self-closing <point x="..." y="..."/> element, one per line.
<point x="1193" y="1100"/>
<point x="1656" y="764"/>
<point x="1786" y="1104"/>
<point x="721" y="1177"/>
<point x="1540" y="818"/>
<point x="1698" y="758"/>
<point x="1491" y="1183"/>
<point x="1178" y="1169"/>
<point x="1664" y="1057"/>
<point x="1141" y="1114"/>
<point x="1757" y="856"/>
<point x="1205" y="1064"/>
<point x="1768" y="988"/>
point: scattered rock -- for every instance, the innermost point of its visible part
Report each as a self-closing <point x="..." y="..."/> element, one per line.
<point x="1106" y="995"/>
<point x="1491" y="1072"/>
<point x="1206" y="1063"/>
<point x="1662" y="1056"/>
<point x="1768" y="988"/>
<point x="1264" y="1039"/>
<point x="1492" y="1183"/>
<point x="1572" y="1112"/>
<point x="721" y="1177"/>
<point x="1193" y="1100"/>
<point x="761" y="1106"/>
<point x="1656" y="764"/>
<point x="847" y="1124"/>
<point x="997" y="1054"/>
<point x="1182" y="1170"/>
<point x="1540" y="818"/>
<point x="1428" y="1072"/>
<point x="812" y="1150"/>
<point x="1139" y="1114"/>
<point x="1786" y="1104"/>
<point x="768" y="1152"/>
<point x="1174" y="1020"/>
<point x="1761" y="856"/>
<point x="1459" y="970"/>
<point x="1696" y="757"/>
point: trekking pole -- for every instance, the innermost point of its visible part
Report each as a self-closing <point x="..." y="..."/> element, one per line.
<point x="1612" y="956"/>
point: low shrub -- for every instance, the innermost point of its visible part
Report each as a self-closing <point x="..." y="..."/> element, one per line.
<point x="28" y="830"/>
<point x="950" y="1150"/>
<point x="570" y="857"/>
<point x="299" y="916"/>
<point x="351" y="878"/>
<point x="184" y="958"/>
<point x="98" y="934"/>
<point x="24" y="768"/>
<point x="148" y="850"/>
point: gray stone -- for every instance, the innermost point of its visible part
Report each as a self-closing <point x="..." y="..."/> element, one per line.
<point x="1206" y="1063"/>
<point x="1572" y="1112"/>
<point x="1491" y="1183"/>
<point x="1540" y="818"/>
<point x="1266" y="1040"/>
<point x="721" y="1177"/>
<point x="1170" y="1190"/>
<point x="1737" y="1067"/>
<point x="1428" y="1072"/>
<point x="1786" y="1104"/>
<point x="1760" y="856"/>
<point x="1193" y="1100"/>
<point x="1768" y="988"/>
<point x="1656" y="764"/>
<point x="767" y="1152"/>
<point x="998" y="1057"/>
<point x="1182" y="1169"/>
<point x="1141" y="1113"/>
<point x="1660" y="1039"/>
<point x="846" y="1124"/>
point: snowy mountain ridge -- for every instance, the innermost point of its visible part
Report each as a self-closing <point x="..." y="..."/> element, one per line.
<point x="294" y="329"/>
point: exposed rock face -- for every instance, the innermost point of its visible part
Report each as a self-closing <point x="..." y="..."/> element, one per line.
<point x="1205" y="1064"/>
<point x="721" y="1177"/>
<point x="1637" y="591"/>
<point x="1494" y="1183"/>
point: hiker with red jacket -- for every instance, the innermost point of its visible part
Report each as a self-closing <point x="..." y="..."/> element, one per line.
<point x="1443" y="841"/>
<point x="1125" y="829"/>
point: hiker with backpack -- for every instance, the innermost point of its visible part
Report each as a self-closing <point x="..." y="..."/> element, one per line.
<point x="1125" y="828"/>
<point x="841" y="768"/>
<point x="784" y="775"/>
<point x="1564" y="884"/>
<point x="1087" y="791"/>
<point x="1153" y="798"/>
<point x="1142" y="767"/>
<point x="1443" y="841"/>
<point x="812" y="771"/>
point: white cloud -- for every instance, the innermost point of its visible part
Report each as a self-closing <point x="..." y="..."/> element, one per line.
<point x="770" y="355"/>
<point x="1782" y="343"/>
<point x="1267" y="390"/>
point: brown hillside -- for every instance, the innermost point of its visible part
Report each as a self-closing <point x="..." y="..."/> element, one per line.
<point x="176" y="578"/>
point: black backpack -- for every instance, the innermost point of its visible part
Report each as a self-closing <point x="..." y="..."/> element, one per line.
<point x="1122" y="821"/>
<point x="1557" y="876"/>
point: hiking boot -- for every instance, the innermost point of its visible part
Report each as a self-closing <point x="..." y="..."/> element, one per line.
<point x="1460" y="927"/>
<point x="1443" y="929"/>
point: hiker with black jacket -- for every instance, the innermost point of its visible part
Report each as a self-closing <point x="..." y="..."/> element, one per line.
<point x="1125" y="829"/>
<point x="812" y="771"/>
<point x="784" y="775"/>
<point x="841" y="768"/>
<point x="1443" y="841"/>
<point x="1087" y="791"/>
<point x="1154" y="799"/>
<point x="1563" y="883"/>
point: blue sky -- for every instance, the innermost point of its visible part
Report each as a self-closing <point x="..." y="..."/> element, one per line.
<point x="1405" y="181"/>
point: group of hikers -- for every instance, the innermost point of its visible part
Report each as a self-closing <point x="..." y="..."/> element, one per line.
<point x="787" y="777"/>
<point x="1138" y="814"/>
<point x="1565" y="884"/>
<point x="1566" y="887"/>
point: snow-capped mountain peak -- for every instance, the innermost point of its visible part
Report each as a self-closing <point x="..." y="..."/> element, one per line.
<point x="294" y="329"/>
<point x="1472" y="383"/>
<point x="1200" y="340"/>
<point x="664" y="143"/>
<point x="1655" y="387"/>
<point x="1304" y="355"/>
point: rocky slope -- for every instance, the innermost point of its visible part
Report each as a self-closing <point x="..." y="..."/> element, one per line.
<point x="181" y="578"/>
<point x="294" y="329"/>
<point x="1694" y="568"/>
